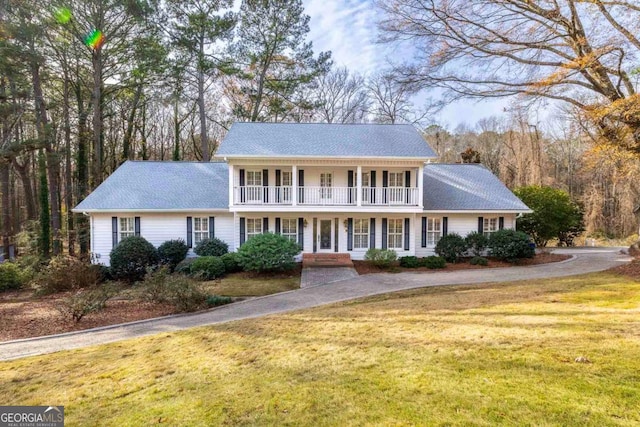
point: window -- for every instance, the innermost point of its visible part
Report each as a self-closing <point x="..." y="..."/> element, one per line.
<point x="490" y="225"/>
<point x="434" y="231"/>
<point x="127" y="227"/>
<point x="254" y="227"/>
<point x="365" y="179"/>
<point x="394" y="233"/>
<point x="361" y="233"/>
<point x="286" y="179"/>
<point x="396" y="181"/>
<point x="290" y="228"/>
<point x="200" y="229"/>
<point x="325" y="182"/>
<point x="365" y="187"/>
<point x="254" y="178"/>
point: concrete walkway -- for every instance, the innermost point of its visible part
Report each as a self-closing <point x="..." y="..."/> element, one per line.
<point x="316" y="276"/>
<point x="585" y="261"/>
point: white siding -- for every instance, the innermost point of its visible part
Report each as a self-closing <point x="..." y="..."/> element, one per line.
<point x="157" y="228"/>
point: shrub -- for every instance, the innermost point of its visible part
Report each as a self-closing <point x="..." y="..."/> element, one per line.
<point x="451" y="247"/>
<point x="478" y="260"/>
<point x="86" y="301"/>
<point x="231" y="264"/>
<point x="66" y="273"/>
<point x="381" y="258"/>
<point x="207" y="267"/>
<point x="172" y="252"/>
<point x="177" y="290"/>
<point x="268" y="252"/>
<point x="184" y="266"/>
<point x="216" y="300"/>
<point x="10" y="276"/>
<point x="131" y="258"/>
<point x="409" y="262"/>
<point x="211" y="247"/>
<point x="510" y="245"/>
<point x="434" y="262"/>
<point x="476" y="243"/>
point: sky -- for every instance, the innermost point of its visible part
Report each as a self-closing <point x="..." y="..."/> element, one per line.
<point x="348" y="29"/>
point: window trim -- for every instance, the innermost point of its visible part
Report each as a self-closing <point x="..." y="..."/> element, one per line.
<point x="396" y="234"/>
<point x="123" y="234"/>
<point x="487" y="224"/>
<point x="293" y="236"/>
<point x="204" y="233"/>
<point x="433" y="232"/>
<point x="362" y="234"/>
<point x="254" y="233"/>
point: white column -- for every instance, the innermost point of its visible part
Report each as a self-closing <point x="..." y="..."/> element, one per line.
<point x="359" y="186"/>
<point x="231" y="186"/>
<point x="420" y="186"/>
<point x="294" y="185"/>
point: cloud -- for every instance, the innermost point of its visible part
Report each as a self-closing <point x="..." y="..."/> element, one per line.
<point x="348" y="29"/>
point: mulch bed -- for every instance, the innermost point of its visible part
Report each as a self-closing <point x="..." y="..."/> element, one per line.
<point x="25" y="316"/>
<point x="365" y="267"/>
<point x="630" y="269"/>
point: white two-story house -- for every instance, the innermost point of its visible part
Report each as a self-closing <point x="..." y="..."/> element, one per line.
<point x="330" y="187"/>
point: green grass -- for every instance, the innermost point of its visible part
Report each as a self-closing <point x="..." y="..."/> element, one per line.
<point x="465" y="355"/>
<point x="242" y="284"/>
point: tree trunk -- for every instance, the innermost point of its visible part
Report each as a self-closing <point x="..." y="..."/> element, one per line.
<point x="45" y="226"/>
<point x="25" y="177"/>
<point x="126" y="143"/>
<point x="98" y="138"/>
<point x="53" y="168"/>
<point x="82" y="168"/>
<point x="176" y="131"/>
<point x="68" y="185"/>
<point x="6" y="208"/>
<point x="204" y="141"/>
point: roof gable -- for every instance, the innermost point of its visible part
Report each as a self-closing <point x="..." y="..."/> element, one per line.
<point x="323" y="140"/>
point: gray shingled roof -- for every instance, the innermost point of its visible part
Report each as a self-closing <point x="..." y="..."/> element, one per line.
<point x="161" y="186"/>
<point x="323" y="140"/>
<point x="466" y="187"/>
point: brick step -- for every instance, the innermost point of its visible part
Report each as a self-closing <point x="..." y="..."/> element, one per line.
<point x="326" y="260"/>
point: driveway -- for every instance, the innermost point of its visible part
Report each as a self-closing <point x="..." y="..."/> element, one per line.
<point x="585" y="260"/>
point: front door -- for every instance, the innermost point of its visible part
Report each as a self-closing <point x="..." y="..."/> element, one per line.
<point x="325" y="235"/>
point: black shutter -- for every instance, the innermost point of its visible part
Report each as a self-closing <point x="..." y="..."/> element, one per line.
<point x="189" y="232"/>
<point x="278" y="184"/>
<point x="301" y="233"/>
<point x="242" y="189"/>
<point x="278" y="227"/>
<point x="407" y="184"/>
<point x="136" y="221"/>
<point x="243" y="234"/>
<point x="385" y="184"/>
<point x="336" y="226"/>
<point x="407" y="222"/>
<point x="114" y="231"/>
<point x="500" y="223"/>
<point x="349" y="234"/>
<point x="372" y="184"/>
<point x="300" y="184"/>
<point x="212" y="227"/>
<point x="350" y="185"/>
<point x="480" y="224"/>
<point x="423" y="237"/>
<point x="265" y="225"/>
<point x="372" y="233"/>
<point x="384" y="233"/>
<point x="265" y="185"/>
<point x="445" y="226"/>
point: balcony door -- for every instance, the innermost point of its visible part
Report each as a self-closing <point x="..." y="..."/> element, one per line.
<point x="254" y="186"/>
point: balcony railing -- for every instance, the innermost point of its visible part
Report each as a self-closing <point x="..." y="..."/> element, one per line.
<point x="326" y="196"/>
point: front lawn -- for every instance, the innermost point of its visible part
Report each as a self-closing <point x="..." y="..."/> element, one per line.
<point x="464" y="355"/>
<point x="247" y="284"/>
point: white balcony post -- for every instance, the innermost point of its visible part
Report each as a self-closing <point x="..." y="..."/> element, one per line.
<point x="420" y="186"/>
<point x="232" y="193"/>
<point x="294" y="185"/>
<point x="359" y="186"/>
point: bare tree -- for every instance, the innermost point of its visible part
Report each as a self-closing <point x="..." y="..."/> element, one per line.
<point x="579" y="52"/>
<point x="340" y="97"/>
<point x="391" y="100"/>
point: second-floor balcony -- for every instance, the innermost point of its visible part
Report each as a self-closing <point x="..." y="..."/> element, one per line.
<point x="326" y="196"/>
